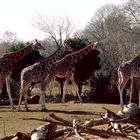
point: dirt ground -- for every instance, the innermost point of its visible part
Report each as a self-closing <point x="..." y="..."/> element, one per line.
<point x="12" y="121"/>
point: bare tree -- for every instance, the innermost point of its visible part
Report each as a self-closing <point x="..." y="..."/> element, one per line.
<point x="132" y="11"/>
<point x="8" y="38"/>
<point x="107" y="26"/>
<point x="56" y="28"/>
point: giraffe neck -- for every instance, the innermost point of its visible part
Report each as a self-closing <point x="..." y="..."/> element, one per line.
<point x="76" y="56"/>
<point x="15" y="56"/>
<point x="50" y="60"/>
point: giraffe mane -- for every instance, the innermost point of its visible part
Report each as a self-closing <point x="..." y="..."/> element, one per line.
<point x="9" y="53"/>
<point x="42" y="59"/>
<point x="77" y="51"/>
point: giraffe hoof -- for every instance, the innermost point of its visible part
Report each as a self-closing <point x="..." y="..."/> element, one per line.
<point x="122" y="109"/>
<point x="44" y="110"/>
<point x="28" y="110"/>
<point x="18" y="109"/>
<point x="81" y="101"/>
<point x="13" y="107"/>
<point x="63" y="101"/>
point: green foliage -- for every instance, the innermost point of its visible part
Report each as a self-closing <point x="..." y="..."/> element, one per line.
<point x="77" y="43"/>
<point x="14" y="47"/>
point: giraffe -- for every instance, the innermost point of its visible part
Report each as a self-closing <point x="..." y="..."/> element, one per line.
<point x="36" y="73"/>
<point x="65" y="68"/>
<point x="128" y="70"/>
<point x="7" y="62"/>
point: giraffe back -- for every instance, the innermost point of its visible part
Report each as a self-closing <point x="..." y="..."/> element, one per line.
<point x="13" y="57"/>
<point x="131" y="67"/>
<point x="76" y="56"/>
<point x="50" y="60"/>
<point x="38" y="71"/>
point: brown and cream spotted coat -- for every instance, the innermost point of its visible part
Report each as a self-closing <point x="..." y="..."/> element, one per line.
<point x="128" y="70"/>
<point x="7" y="62"/>
<point x="65" y="68"/>
<point x="37" y="73"/>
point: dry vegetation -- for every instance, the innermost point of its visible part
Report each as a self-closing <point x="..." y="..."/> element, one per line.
<point x="13" y="121"/>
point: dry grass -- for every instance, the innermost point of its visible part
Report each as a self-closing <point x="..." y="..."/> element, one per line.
<point x="13" y="121"/>
<point x="56" y="89"/>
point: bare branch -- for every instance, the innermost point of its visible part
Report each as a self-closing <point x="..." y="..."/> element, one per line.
<point x="58" y="29"/>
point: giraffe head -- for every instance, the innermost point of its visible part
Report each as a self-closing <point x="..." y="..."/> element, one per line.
<point x="38" y="46"/>
<point x="68" y="48"/>
<point x="97" y="44"/>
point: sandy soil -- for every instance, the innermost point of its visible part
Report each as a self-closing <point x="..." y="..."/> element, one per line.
<point x="12" y="121"/>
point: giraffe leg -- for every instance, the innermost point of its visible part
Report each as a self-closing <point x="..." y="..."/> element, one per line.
<point x="121" y="97"/>
<point x="1" y="85"/>
<point x="45" y="83"/>
<point x="25" y="100"/>
<point x="131" y="92"/>
<point x="51" y="88"/>
<point x="121" y="88"/>
<point x="42" y="96"/>
<point x="8" y="81"/>
<point x="76" y="87"/>
<point x="23" y="92"/>
<point x="20" y="99"/>
<point x="65" y="89"/>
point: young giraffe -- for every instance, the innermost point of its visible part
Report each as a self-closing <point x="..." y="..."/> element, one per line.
<point x="128" y="70"/>
<point x="65" y="68"/>
<point x="36" y="74"/>
<point x="7" y="62"/>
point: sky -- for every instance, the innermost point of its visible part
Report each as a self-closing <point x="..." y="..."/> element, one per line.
<point x="17" y="15"/>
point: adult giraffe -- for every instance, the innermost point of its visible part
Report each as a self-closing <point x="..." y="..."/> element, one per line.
<point x="128" y="70"/>
<point x="37" y="73"/>
<point x="65" y="68"/>
<point x="8" y="61"/>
